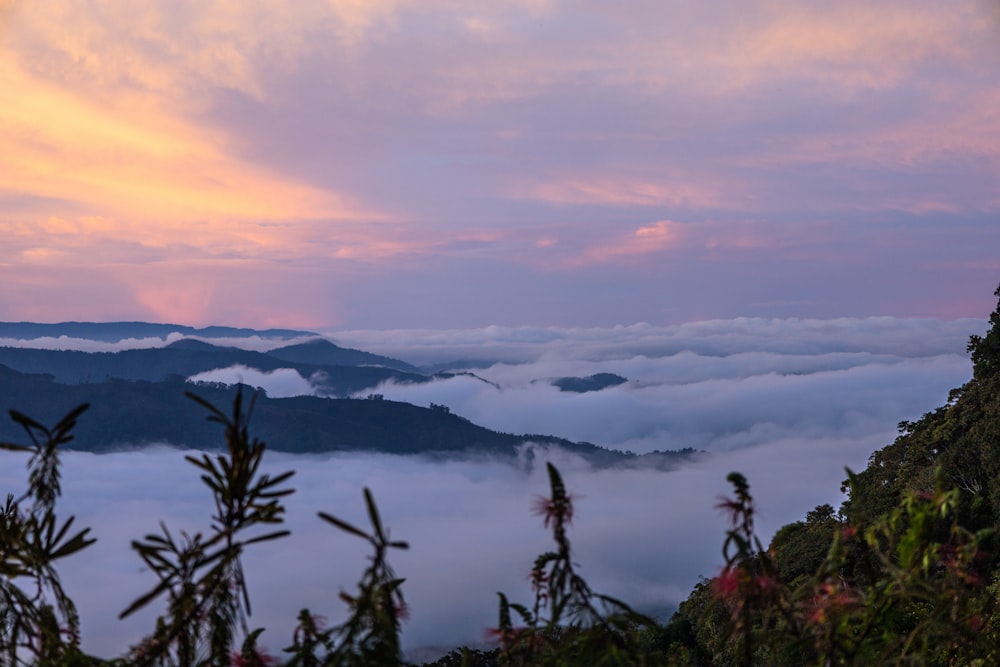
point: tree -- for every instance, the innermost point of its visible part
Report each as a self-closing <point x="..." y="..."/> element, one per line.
<point x="985" y="350"/>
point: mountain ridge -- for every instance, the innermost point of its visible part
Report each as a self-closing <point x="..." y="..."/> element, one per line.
<point x="114" y="332"/>
<point x="137" y="397"/>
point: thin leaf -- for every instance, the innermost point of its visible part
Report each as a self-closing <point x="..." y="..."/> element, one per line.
<point x="343" y="525"/>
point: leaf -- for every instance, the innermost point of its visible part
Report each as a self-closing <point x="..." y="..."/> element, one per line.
<point x="144" y="600"/>
<point x="265" y="538"/>
<point x="27" y="422"/>
<point x="343" y="525"/>
<point x="373" y="515"/>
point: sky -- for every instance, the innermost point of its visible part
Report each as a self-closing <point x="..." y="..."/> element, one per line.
<point x="789" y="403"/>
<point x="776" y="219"/>
<point x="401" y="164"/>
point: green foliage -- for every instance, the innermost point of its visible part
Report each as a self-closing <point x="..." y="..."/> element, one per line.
<point x="38" y="620"/>
<point x="961" y="438"/>
<point x="799" y="548"/>
<point x="568" y="623"/>
<point x="930" y="601"/>
<point x="467" y="657"/>
<point x="202" y="577"/>
<point x="309" y="641"/>
<point x="370" y="635"/>
<point x="985" y="350"/>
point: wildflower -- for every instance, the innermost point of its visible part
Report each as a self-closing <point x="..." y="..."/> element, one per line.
<point x="831" y="598"/>
<point x="728" y="583"/>
<point x="558" y="510"/>
<point x="254" y="658"/>
<point x="730" y="507"/>
<point x="976" y="622"/>
<point x="539" y="578"/>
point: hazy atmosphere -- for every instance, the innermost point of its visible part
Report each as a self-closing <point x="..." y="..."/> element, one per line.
<point x="450" y="164"/>
<point x="776" y="221"/>
<point x="788" y="403"/>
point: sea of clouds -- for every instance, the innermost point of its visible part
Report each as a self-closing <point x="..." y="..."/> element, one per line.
<point x="790" y="403"/>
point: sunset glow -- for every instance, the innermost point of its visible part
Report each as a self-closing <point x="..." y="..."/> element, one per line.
<point x="331" y="163"/>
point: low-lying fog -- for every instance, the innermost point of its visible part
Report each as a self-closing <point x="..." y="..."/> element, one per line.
<point x="789" y="403"/>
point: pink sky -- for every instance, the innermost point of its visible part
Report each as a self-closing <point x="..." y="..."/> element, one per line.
<point x="388" y="163"/>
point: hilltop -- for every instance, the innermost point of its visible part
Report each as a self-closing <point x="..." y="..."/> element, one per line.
<point x="137" y="396"/>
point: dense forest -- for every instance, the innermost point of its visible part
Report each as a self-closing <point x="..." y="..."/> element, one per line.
<point x="905" y="572"/>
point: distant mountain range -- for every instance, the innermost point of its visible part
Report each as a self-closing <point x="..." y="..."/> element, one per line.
<point x="113" y="332"/>
<point x="336" y="371"/>
<point x="137" y="396"/>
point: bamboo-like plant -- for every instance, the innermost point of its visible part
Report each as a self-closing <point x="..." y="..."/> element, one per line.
<point x="370" y="635"/>
<point x="38" y="620"/>
<point x="202" y="577"/>
<point x="568" y="624"/>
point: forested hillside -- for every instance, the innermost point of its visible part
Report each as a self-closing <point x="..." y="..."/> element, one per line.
<point x="906" y="572"/>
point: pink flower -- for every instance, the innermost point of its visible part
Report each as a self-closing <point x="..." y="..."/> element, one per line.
<point x="553" y="510"/>
<point x="507" y="638"/>
<point x="727" y="584"/>
<point x="730" y="507"/>
<point x="258" y="658"/>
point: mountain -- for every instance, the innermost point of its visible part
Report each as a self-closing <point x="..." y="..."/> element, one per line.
<point x="133" y="413"/>
<point x="582" y="385"/>
<point x="189" y="357"/>
<point x="137" y="396"/>
<point x="958" y="443"/>
<point x="113" y="332"/>
<point x="905" y="572"/>
<point x="322" y="351"/>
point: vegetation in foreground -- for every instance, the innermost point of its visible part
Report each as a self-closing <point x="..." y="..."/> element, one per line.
<point x="904" y="573"/>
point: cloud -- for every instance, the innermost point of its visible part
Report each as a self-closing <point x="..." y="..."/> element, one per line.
<point x="743" y="404"/>
<point x="279" y="383"/>
<point x="790" y="403"/>
<point x="652" y="238"/>
<point x="468" y="523"/>
<point x="349" y="151"/>
<point x="709" y="338"/>
<point x="717" y="386"/>
<point x="253" y="343"/>
<point x="158" y="168"/>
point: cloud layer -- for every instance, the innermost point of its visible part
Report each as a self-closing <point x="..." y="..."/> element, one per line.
<point x="790" y="403"/>
<point x="713" y="385"/>
<point x="642" y="535"/>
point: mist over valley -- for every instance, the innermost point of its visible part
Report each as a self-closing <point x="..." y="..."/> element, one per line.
<point x="789" y="403"/>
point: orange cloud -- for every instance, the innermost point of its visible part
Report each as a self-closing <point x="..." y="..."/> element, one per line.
<point x="100" y="142"/>
<point x="652" y="238"/>
<point x="153" y="167"/>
